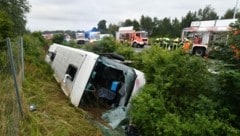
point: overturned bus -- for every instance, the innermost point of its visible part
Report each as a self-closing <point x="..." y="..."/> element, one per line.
<point x="89" y="79"/>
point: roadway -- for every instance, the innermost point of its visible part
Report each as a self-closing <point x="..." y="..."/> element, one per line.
<point x="140" y="49"/>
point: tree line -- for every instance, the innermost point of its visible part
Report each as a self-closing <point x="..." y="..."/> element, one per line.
<point x="169" y="27"/>
<point x="165" y="27"/>
<point x="13" y="21"/>
<point x="12" y="17"/>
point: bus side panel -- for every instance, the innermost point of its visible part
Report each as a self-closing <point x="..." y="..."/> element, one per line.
<point x="63" y="60"/>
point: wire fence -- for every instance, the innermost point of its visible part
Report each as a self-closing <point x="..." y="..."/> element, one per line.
<point x="11" y="77"/>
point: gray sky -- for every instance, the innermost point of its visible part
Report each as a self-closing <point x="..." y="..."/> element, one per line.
<point x="85" y="14"/>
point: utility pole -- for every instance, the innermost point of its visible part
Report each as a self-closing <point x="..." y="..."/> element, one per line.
<point x="235" y="10"/>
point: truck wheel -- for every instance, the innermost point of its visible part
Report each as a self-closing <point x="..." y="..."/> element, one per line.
<point x="142" y="46"/>
<point x="199" y="52"/>
<point x="135" y="45"/>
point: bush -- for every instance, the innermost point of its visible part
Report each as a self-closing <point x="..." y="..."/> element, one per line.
<point x="229" y="92"/>
<point x="223" y="52"/>
<point x="109" y="45"/>
<point x="6" y="25"/>
<point x="126" y="51"/>
<point x="33" y="47"/>
<point x="70" y="43"/>
<point x="58" y="38"/>
<point x="180" y="98"/>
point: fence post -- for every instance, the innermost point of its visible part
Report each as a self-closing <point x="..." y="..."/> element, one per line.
<point x="22" y="57"/>
<point x="10" y="55"/>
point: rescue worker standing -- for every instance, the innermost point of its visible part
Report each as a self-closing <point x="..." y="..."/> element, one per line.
<point x="186" y="45"/>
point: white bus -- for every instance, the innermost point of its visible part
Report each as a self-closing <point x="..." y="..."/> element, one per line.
<point x="88" y="78"/>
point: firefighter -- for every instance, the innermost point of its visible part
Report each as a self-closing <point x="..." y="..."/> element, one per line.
<point x="186" y="45"/>
<point x="197" y="39"/>
<point x="165" y="42"/>
<point x="176" y="43"/>
<point x="236" y="51"/>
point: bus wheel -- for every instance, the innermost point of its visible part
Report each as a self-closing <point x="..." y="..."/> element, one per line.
<point x="199" y="52"/>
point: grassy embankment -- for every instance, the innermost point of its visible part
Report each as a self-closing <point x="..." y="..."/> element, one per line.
<point x="54" y="114"/>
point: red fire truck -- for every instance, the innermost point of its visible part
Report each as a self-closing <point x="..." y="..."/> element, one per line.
<point x="135" y="38"/>
<point x="202" y="33"/>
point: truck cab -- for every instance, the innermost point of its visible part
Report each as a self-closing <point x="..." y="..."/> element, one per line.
<point x="80" y="38"/>
<point x="88" y="36"/>
<point x="129" y="35"/>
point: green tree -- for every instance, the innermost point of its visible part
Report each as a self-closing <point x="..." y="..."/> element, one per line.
<point x="166" y="27"/>
<point x="106" y="45"/>
<point x="180" y="97"/>
<point x="127" y="22"/>
<point x="146" y="23"/>
<point x="176" y="28"/>
<point x="234" y="41"/>
<point x="71" y="33"/>
<point x="234" y="37"/>
<point x="186" y="21"/>
<point x="58" y="38"/>
<point x="229" y="92"/>
<point x="229" y="14"/>
<point x="208" y="13"/>
<point x="228" y="79"/>
<point x="112" y="29"/>
<point x="156" y="31"/>
<point x="136" y="25"/>
<point x="102" y="26"/>
<point x="16" y="10"/>
<point x="6" y="25"/>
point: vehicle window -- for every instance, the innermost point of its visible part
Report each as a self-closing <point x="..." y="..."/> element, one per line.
<point x="52" y="56"/>
<point x="71" y="70"/>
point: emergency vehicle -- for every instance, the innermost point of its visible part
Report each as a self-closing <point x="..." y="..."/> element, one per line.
<point x="88" y="36"/>
<point x="135" y="38"/>
<point x="202" y="33"/>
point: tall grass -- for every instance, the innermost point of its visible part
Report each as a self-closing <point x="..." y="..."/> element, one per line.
<point x="9" y="110"/>
<point x="54" y="114"/>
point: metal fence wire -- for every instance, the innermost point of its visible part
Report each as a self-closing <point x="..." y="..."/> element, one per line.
<point x="11" y="76"/>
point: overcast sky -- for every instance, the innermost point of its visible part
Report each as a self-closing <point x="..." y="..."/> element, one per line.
<point x="85" y="14"/>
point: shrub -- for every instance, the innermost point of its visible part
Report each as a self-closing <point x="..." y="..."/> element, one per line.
<point x="107" y="45"/>
<point x="6" y="25"/>
<point x="58" y="38"/>
<point x="126" y="51"/>
<point x="33" y="44"/>
<point x="180" y="97"/>
<point x="229" y="92"/>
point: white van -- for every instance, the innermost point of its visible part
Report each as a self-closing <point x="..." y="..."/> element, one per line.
<point x="88" y="78"/>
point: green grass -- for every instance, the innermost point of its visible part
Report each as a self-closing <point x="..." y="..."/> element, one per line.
<point x="9" y="114"/>
<point x="54" y="114"/>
